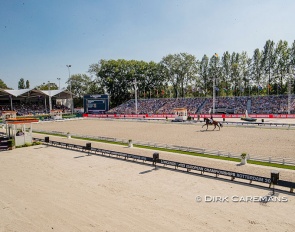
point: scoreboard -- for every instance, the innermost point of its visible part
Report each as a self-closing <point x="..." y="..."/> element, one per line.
<point x="96" y="103"/>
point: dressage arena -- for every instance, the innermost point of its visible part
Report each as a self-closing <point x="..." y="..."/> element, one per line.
<point x="45" y="188"/>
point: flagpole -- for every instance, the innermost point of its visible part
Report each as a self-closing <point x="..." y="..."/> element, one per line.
<point x="214" y="95"/>
<point x="216" y="55"/>
<point x="10" y="96"/>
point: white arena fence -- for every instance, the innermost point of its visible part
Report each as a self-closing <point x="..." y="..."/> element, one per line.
<point x="173" y="165"/>
<point x="289" y="126"/>
<point x="285" y="161"/>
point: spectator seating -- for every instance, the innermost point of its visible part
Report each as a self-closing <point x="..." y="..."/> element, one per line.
<point x="273" y="104"/>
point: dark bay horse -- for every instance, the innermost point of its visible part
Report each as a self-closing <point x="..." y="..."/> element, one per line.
<point x="214" y="123"/>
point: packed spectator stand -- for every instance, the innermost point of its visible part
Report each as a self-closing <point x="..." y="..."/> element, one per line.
<point x="272" y="104"/>
<point x="29" y="108"/>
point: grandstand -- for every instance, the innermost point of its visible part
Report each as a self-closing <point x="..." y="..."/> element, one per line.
<point x="33" y="101"/>
<point x="273" y="104"/>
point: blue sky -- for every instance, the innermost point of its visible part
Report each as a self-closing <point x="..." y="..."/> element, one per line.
<point x="38" y="38"/>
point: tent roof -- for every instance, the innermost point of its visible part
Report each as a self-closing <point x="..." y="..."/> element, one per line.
<point x="52" y="93"/>
<point x="31" y="93"/>
<point x="14" y="92"/>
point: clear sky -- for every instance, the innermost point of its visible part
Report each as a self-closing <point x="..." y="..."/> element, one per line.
<point x="38" y="38"/>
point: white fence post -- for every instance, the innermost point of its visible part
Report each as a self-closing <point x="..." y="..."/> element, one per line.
<point x="269" y="159"/>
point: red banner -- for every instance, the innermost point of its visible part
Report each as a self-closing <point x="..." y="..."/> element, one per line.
<point x="171" y="116"/>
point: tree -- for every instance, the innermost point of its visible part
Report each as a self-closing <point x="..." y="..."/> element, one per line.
<point x="154" y="76"/>
<point x="292" y="61"/>
<point x="170" y="69"/>
<point x="257" y="70"/>
<point x="27" y="84"/>
<point x="181" y="75"/>
<point x="245" y="72"/>
<point x="188" y="70"/>
<point x="78" y="84"/>
<point x="94" y="88"/>
<point x="235" y="72"/>
<point x="292" y="54"/>
<point x="179" y="69"/>
<point x="116" y="78"/>
<point x="226" y="69"/>
<point x="3" y="85"/>
<point x="21" y="84"/>
<point x="47" y="86"/>
<point x="214" y="71"/>
<point x="268" y="60"/>
<point x="204" y="74"/>
<point x="283" y="61"/>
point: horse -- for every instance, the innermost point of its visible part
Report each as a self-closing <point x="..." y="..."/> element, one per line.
<point x="214" y="123"/>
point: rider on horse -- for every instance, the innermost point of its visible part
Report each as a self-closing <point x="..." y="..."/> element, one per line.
<point x="211" y="117"/>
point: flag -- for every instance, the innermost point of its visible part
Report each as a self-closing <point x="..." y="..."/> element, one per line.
<point x="216" y="88"/>
<point x="269" y="87"/>
<point x="259" y="87"/>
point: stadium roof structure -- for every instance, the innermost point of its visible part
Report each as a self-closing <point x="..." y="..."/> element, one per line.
<point x="34" y="93"/>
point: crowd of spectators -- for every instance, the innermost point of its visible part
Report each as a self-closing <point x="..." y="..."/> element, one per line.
<point x="191" y="104"/>
<point x="236" y="105"/>
<point x="273" y="104"/>
<point x="29" y="108"/>
<point x="158" y="106"/>
<point x="270" y="104"/>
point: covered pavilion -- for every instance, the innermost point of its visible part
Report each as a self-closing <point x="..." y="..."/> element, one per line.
<point x="11" y="95"/>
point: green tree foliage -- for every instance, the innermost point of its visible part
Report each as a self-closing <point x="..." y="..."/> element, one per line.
<point x="94" y="88"/>
<point x="117" y="78"/>
<point x="268" y="61"/>
<point x="47" y="86"/>
<point x="79" y="85"/>
<point x="27" y="84"/>
<point x="21" y="84"/>
<point x="257" y="69"/>
<point x="214" y="71"/>
<point x="179" y="70"/>
<point x="204" y="75"/>
<point x="282" y="68"/>
<point x="292" y="54"/>
<point x="181" y="75"/>
<point x="170" y="68"/>
<point x="244" y="71"/>
<point x="3" y="85"/>
<point x="226" y="69"/>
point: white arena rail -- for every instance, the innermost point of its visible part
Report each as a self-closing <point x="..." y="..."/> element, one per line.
<point x="285" y="161"/>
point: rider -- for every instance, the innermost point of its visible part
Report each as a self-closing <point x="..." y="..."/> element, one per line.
<point x="211" y="119"/>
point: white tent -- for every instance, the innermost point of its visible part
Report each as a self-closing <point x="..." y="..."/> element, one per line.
<point x="34" y="93"/>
